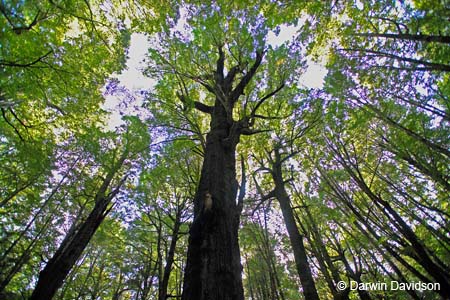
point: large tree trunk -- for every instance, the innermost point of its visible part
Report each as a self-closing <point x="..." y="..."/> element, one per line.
<point x="58" y="267"/>
<point x="296" y="239"/>
<point x="213" y="269"/>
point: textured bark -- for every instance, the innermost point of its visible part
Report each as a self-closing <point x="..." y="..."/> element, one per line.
<point x="58" y="267"/>
<point x="301" y="259"/>
<point x="213" y="267"/>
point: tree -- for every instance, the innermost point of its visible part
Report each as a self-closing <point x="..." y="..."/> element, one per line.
<point x="103" y="214"/>
<point x="58" y="267"/>
<point x="275" y="159"/>
<point x="264" y="274"/>
<point x="213" y="269"/>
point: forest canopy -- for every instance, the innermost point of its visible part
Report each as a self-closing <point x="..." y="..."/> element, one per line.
<point x="228" y="176"/>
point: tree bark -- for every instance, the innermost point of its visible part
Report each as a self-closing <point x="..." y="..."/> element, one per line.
<point x="410" y="37"/>
<point x="301" y="259"/>
<point x="162" y="294"/>
<point x="213" y="269"/>
<point x="55" y="272"/>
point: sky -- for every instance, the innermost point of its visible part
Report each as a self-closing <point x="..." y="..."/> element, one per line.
<point x="133" y="79"/>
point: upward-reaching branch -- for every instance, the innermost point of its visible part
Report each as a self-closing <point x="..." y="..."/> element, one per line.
<point x="241" y="195"/>
<point x="18" y="29"/>
<point x="198" y="105"/>
<point x="220" y="65"/>
<point x="427" y="65"/>
<point x="263" y="99"/>
<point x="231" y="75"/>
<point x="239" y="89"/>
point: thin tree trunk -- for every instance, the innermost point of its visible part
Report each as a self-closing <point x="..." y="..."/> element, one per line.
<point x="407" y="131"/>
<point x="324" y="259"/>
<point x="162" y="295"/>
<point x="249" y="280"/>
<point x="422" y="257"/>
<point x="426" y="64"/>
<point x="301" y="259"/>
<point x="268" y="254"/>
<point x="370" y="232"/>
<point x="53" y="275"/>
<point x="7" y="276"/>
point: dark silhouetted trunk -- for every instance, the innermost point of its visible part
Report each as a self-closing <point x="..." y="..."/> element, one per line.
<point x="162" y="294"/>
<point x="421" y="253"/>
<point x="55" y="272"/>
<point x="326" y="265"/>
<point x="353" y="274"/>
<point x="301" y="259"/>
<point x="213" y="268"/>
<point x="410" y="37"/>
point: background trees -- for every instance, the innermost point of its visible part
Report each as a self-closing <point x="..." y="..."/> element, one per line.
<point x="362" y="161"/>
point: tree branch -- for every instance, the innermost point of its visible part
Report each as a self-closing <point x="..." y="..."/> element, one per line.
<point x="239" y="89"/>
<point x="220" y="65"/>
<point x="264" y="199"/>
<point x="24" y="65"/>
<point x="76" y="16"/>
<point x="18" y="119"/>
<point x="232" y="74"/>
<point x="248" y="131"/>
<point x="263" y="99"/>
<point x="290" y="155"/>
<point x="10" y="124"/>
<point x="19" y="29"/>
<point x="203" y="107"/>
<point x="198" y="105"/>
<point x="240" y="203"/>
<point x="198" y="79"/>
<point x="397" y="24"/>
<point x="411" y="37"/>
<point x="430" y="65"/>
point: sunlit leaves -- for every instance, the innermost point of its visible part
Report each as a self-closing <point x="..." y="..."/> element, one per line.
<point x="382" y="120"/>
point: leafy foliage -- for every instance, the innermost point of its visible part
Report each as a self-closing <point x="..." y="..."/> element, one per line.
<point x="365" y="159"/>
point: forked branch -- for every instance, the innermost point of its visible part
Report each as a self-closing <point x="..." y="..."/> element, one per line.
<point x="263" y="99"/>
<point x="239" y="89"/>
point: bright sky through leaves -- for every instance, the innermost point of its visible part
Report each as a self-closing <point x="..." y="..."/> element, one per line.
<point x="120" y="185"/>
<point x="132" y="77"/>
